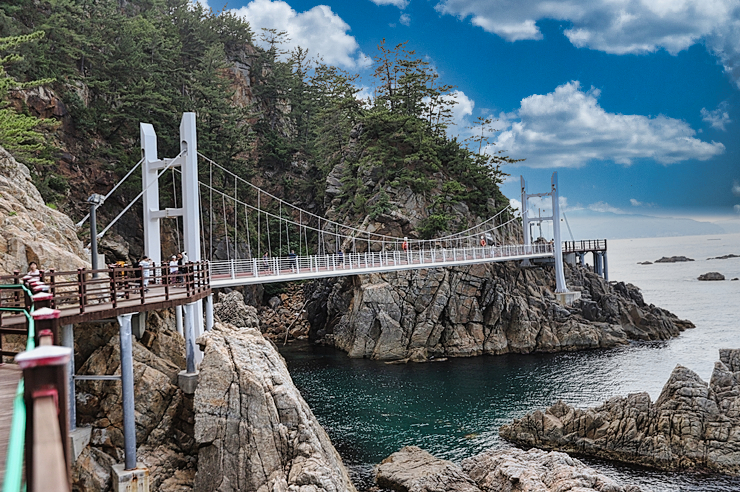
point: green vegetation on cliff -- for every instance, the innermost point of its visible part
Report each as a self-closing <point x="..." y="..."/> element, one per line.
<point x="283" y="120"/>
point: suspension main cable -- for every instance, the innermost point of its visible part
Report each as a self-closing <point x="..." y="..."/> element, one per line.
<point x="120" y="182"/>
<point x="131" y="204"/>
<point x="352" y="230"/>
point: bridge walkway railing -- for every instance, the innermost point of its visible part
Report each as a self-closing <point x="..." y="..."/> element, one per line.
<point x="275" y="269"/>
<point x="86" y="295"/>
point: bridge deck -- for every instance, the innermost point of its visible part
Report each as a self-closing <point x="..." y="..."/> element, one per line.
<point x="102" y="307"/>
<point x="10" y="374"/>
<point x="256" y="271"/>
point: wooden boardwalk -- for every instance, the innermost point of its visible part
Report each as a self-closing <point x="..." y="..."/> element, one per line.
<point x="10" y="374"/>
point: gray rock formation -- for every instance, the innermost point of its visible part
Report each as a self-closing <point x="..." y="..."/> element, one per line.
<point x="482" y="309"/>
<point x="711" y="276"/>
<point x="29" y="230"/>
<point x="231" y="309"/>
<point x="254" y="430"/>
<point x="164" y="417"/>
<point x="414" y="470"/>
<point x="691" y="425"/>
<point x="673" y="259"/>
<point x="537" y="470"/>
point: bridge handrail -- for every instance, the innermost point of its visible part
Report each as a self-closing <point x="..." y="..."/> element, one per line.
<point x="84" y="288"/>
<point x="273" y="266"/>
<point x="585" y="245"/>
<point x="16" y="443"/>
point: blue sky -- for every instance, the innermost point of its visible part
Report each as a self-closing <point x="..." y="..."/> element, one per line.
<point x="636" y="103"/>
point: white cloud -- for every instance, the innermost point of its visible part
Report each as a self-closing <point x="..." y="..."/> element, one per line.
<point x="605" y="207"/>
<point x="736" y="208"/>
<point x="616" y="26"/>
<point x="203" y="3"/>
<point x="636" y="203"/>
<point x="736" y="188"/>
<point x="405" y="19"/>
<point x="717" y="118"/>
<point x="462" y="107"/>
<point x="319" y="30"/>
<point x="401" y="4"/>
<point x="568" y="128"/>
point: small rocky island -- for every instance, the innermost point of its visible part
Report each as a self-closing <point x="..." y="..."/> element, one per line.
<point x="673" y="259"/>
<point x="724" y="257"/>
<point x="691" y="426"/>
<point x="711" y="276"/>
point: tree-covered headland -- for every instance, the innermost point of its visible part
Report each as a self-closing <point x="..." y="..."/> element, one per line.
<point x="283" y="120"/>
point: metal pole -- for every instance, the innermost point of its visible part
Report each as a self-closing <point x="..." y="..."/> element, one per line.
<point x="68" y="340"/>
<point x="190" y="337"/>
<point x="178" y="320"/>
<point x="606" y="266"/>
<point x="93" y="236"/>
<point x="127" y="391"/>
<point x="209" y="312"/>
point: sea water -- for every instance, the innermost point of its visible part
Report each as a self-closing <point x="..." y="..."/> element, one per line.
<point x="453" y="409"/>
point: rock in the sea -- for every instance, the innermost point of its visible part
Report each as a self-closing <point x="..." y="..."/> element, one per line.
<point x="724" y="257"/>
<point x="644" y="262"/>
<point x="537" y="471"/>
<point x="711" y="276"/>
<point x="253" y="428"/>
<point x="691" y="425"/>
<point x="673" y="259"/>
<point x="480" y="309"/>
<point x="29" y="230"/>
<point x="414" y="470"/>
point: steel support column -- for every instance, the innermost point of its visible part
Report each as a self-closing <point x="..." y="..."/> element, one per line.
<point x="127" y="391"/>
<point x="559" y="274"/>
<point x="68" y="340"/>
<point x="209" y="312"/>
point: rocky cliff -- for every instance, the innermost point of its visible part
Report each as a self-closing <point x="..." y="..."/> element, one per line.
<point x="164" y="414"/>
<point x="30" y="230"/>
<point x="414" y="470"/>
<point x="482" y="309"/>
<point x="254" y="430"/>
<point x="691" y="425"/>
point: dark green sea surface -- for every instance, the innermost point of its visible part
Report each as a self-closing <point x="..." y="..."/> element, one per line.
<point x="454" y="408"/>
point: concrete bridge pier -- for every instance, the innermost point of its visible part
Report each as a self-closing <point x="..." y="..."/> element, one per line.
<point x="605" y="265"/>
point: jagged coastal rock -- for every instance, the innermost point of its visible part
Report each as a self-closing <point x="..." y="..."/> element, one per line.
<point x="481" y="309"/>
<point x="164" y="418"/>
<point x="711" y="276"/>
<point x="691" y="425"/>
<point x="29" y="230"/>
<point x="673" y="259"/>
<point x="724" y="257"/>
<point x="253" y="428"/>
<point x="414" y="470"/>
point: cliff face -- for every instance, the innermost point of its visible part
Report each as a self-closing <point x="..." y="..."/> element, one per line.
<point x="30" y="230"/>
<point x="691" y="425"/>
<point x="254" y="430"/>
<point x="482" y="309"/>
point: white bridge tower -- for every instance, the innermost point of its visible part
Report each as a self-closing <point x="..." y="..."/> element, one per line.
<point x="152" y="170"/>
<point x="561" y="290"/>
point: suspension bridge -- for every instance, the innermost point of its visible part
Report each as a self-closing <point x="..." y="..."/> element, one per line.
<point x="263" y="238"/>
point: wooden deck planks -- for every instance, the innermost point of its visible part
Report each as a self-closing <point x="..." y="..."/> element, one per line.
<point x="10" y="374"/>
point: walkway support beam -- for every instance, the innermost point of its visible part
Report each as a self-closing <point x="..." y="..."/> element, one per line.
<point x="559" y="273"/>
<point x="127" y="391"/>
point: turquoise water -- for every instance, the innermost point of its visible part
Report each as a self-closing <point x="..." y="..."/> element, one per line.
<point x="454" y="408"/>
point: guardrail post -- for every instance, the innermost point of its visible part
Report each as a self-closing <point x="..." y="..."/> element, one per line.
<point x="45" y="394"/>
<point x="81" y="288"/>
